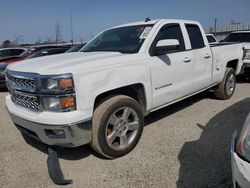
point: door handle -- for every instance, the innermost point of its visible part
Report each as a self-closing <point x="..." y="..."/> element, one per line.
<point x="207" y="56"/>
<point x="186" y="59"/>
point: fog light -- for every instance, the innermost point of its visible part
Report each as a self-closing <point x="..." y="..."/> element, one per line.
<point x="55" y="133"/>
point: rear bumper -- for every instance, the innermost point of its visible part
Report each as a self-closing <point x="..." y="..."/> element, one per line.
<point x="240" y="168"/>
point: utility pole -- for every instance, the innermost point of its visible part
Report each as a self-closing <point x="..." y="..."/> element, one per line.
<point x="71" y="28"/>
<point x="215" y="26"/>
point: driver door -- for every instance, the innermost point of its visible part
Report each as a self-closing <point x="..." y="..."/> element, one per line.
<point x="171" y="72"/>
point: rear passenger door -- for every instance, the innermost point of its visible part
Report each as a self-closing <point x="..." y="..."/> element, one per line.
<point x="202" y="58"/>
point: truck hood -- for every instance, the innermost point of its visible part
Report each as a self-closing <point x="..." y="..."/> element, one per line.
<point x="68" y="62"/>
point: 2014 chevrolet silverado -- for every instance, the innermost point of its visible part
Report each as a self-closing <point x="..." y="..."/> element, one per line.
<point x="99" y="96"/>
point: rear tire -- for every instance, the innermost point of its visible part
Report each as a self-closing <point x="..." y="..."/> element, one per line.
<point x="117" y="126"/>
<point x="226" y="88"/>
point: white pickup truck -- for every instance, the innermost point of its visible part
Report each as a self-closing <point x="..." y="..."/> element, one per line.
<point x="244" y="38"/>
<point x="99" y="96"/>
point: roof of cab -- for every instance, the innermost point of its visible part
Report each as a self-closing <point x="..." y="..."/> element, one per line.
<point x="154" y="22"/>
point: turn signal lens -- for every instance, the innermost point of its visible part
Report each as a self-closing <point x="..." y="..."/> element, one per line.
<point x="65" y="84"/>
<point x="68" y="102"/>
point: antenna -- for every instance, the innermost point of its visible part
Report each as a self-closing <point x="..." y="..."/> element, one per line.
<point x="71" y="28"/>
<point x="147" y="19"/>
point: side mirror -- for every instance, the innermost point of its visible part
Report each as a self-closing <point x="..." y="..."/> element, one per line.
<point x="167" y="45"/>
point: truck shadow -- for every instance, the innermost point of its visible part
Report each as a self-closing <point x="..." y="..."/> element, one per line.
<point x="169" y="110"/>
<point x="206" y="162"/>
<point x="81" y="152"/>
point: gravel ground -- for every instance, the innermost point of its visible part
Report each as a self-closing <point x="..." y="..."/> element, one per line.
<point x="184" y="145"/>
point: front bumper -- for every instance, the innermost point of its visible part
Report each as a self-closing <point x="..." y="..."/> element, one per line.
<point x="73" y="135"/>
<point x="240" y="168"/>
<point x="66" y="129"/>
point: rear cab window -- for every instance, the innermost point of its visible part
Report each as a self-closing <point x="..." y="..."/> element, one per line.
<point x="195" y="36"/>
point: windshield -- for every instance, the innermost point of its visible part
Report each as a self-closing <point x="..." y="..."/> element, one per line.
<point x="238" y="37"/>
<point x="124" y="39"/>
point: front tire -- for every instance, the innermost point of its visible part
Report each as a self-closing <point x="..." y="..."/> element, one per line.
<point x="226" y="88"/>
<point x="117" y="126"/>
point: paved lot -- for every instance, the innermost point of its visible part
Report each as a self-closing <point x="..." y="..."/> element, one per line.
<point x="184" y="145"/>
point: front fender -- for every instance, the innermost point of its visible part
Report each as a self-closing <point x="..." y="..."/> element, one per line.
<point x="95" y="82"/>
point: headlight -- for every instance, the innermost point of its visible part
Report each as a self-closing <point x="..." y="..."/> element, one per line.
<point x="243" y="143"/>
<point x="246" y="54"/>
<point x="58" y="93"/>
<point x="57" y="83"/>
<point x="59" y="103"/>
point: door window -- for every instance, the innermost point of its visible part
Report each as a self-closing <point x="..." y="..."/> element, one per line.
<point x="171" y="31"/>
<point x="195" y="36"/>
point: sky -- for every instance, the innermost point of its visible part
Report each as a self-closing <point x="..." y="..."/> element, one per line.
<point x="35" y="20"/>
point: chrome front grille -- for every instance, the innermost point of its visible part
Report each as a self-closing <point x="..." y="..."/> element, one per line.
<point x="21" y="81"/>
<point x="26" y="101"/>
<point x="24" y="83"/>
<point x="20" y="86"/>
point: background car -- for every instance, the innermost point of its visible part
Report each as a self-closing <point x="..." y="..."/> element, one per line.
<point x="30" y="53"/>
<point x="48" y="51"/>
<point x="76" y="48"/>
<point x="10" y="52"/>
<point x="244" y="38"/>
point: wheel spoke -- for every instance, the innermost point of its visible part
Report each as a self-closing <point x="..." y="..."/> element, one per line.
<point x="126" y="113"/>
<point x="113" y="119"/>
<point x="112" y="137"/>
<point x="133" y="126"/>
<point x="124" y="141"/>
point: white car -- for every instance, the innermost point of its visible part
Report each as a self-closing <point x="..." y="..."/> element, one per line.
<point x="240" y="156"/>
<point x="244" y="38"/>
<point x="99" y="96"/>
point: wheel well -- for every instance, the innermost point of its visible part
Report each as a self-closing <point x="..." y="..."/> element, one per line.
<point x="233" y="64"/>
<point x="135" y="91"/>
